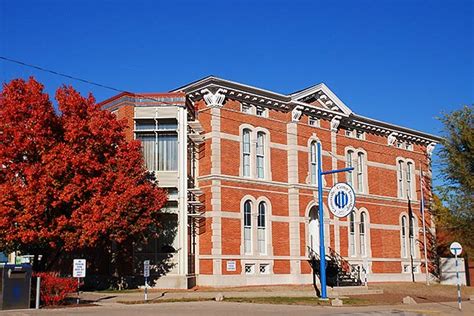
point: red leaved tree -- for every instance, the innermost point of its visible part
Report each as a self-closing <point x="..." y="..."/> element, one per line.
<point x="68" y="181"/>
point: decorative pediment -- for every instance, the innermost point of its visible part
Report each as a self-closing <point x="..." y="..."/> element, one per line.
<point x="321" y="96"/>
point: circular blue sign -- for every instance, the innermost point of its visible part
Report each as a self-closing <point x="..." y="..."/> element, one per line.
<point x="341" y="199"/>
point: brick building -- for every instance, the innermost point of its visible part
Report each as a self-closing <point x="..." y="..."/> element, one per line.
<point x="240" y="166"/>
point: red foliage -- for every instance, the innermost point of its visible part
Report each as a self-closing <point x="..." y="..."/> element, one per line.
<point x="55" y="289"/>
<point x="68" y="180"/>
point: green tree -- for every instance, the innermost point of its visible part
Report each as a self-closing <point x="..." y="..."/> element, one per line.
<point x="455" y="213"/>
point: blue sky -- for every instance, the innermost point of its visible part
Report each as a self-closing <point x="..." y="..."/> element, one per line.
<point x="403" y="62"/>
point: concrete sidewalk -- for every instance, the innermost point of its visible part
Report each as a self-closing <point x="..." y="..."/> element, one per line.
<point x="114" y="297"/>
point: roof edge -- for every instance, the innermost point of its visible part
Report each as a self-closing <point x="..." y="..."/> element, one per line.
<point x="428" y="136"/>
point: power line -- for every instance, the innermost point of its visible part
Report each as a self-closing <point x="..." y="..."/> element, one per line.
<point x="57" y="73"/>
<point x="60" y="74"/>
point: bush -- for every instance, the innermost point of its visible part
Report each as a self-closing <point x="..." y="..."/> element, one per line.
<point x="54" y="289"/>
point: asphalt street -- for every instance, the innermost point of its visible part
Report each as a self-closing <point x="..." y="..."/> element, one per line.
<point x="235" y="309"/>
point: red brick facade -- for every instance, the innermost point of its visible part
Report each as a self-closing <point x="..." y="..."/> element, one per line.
<point x="221" y="178"/>
<point x="280" y="253"/>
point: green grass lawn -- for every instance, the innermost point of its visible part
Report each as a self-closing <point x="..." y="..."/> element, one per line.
<point x="293" y="300"/>
<point x="169" y="300"/>
<point x="256" y="300"/>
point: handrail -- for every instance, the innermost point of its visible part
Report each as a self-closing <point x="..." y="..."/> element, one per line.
<point x="313" y="255"/>
<point x="343" y="263"/>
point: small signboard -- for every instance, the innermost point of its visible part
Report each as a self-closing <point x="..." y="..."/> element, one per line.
<point x="79" y="268"/>
<point x="455" y="248"/>
<point x="146" y="268"/>
<point x="341" y="199"/>
<point x="231" y="265"/>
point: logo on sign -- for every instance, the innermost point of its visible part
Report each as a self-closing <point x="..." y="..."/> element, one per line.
<point x="341" y="199"/>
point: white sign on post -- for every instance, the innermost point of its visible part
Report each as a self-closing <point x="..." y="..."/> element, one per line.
<point x="79" y="268"/>
<point x="146" y="268"/>
<point x="146" y="274"/>
<point x="456" y="250"/>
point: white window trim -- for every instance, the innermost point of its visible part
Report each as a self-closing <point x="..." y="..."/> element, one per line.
<point x="263" y="137"/>
<point x="265" y="227"/>
<point x="254" y="227"/>
<point x="362" y="134"/>
<point x="253" y="152"/>
<point x="402" y="192"/>
<point x="352" y="133"/>
<point x="354" y="173"/>
<point x="350" y="163"/>
<point x="357" y="245"/>
<point x="246" y="170"/>
<point x="249" y="106"/>
<point x="317" y="121"/>
<point x="313" y="165"/>
<point x="264" y="111"/>
<point x="416" y="237"/>
<point x="352" y="236"/>
<point x="403" y="238"/>
<point x="253" y="109"/>
<point x="349" y="132"/>
<point x="157" y="132"/>
<point x="326" y="220"/>
<point x="267" y="153"/>
<point x="244" y="227"/>
<point x="362" y="250"/>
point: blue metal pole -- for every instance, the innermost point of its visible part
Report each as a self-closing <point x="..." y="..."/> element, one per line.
<point x="322" y="250"/>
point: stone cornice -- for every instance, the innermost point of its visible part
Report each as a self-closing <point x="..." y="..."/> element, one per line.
<point x="242" y="96"/>
<point x="328" y="107"/>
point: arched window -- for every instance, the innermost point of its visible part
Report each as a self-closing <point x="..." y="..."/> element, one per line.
<point x="360" y="172"/>
<point x="247" y="227"/>
<point x="313" y="228"/>
<point x="260" y="155"/>
<point x="400" y="179"/>
<point x="411" y="235"/>
<point x="404" y="236"/>
<point x="350" y="174"/>
<point x="246" y="153"/>
<point x="352" y="244"/>
<point x="261" y="226"/>
<point x="313" y="162"/>
<point x="362" y="235"/>
<point x="409" y="179"/>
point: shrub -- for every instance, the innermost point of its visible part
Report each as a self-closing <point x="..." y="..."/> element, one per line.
<point x="54" y="289"/>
